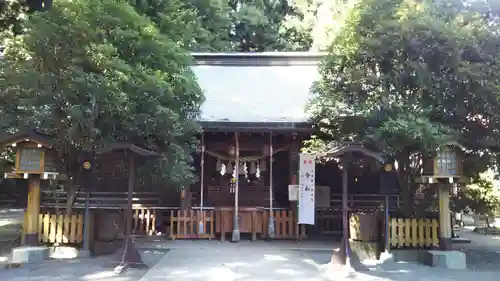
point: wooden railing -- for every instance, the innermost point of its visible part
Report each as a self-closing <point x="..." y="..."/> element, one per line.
<point x="285" y="224"/>
<point x="58" y="228"/>
<point x="192" y="224"/>
<point x="365" y="202"/>
<point x="62" y="229"/>
<point x="413" y="233"/>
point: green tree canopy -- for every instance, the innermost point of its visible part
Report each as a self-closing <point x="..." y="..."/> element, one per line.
<point x="406" y="76"/>
<point x="223" y="25"/>
<point x="93" y="72"/>
<point x="480" y="197"/>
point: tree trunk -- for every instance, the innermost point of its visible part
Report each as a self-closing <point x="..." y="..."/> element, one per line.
<point x="70" y="199"/>
<point x="71" y="190"/>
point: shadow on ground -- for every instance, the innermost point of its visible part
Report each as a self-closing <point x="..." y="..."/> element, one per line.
<point x="92" y="269"/>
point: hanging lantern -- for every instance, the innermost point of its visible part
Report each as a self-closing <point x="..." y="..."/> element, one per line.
<point x="231" y="150"/>
<point x="263" y="165"/>
<point x="447" y="162"/>
<point x="242" y="167"/>
<point x="229" y="168"/>
<point x="253" y="168"/>
<point x="266" y="150"/>
<point x="218" y="165"/>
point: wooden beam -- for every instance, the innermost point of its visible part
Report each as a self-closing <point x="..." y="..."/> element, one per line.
<point x="244" y="146"/>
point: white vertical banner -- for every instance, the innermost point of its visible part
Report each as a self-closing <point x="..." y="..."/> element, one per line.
<point x="306" y="189"/>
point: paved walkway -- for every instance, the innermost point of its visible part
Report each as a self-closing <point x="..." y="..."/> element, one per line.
<point x="244" y="261"/>
<point x="483" y="251"/>
<point x="232" y="262"/>
<point x="478" y="240"/>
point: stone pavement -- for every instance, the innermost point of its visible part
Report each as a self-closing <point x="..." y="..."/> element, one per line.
<point x="483" y="251"/>
<point x="243" y="261"/>
<point x="235" y="262"/>
<point x="479" y="240"/>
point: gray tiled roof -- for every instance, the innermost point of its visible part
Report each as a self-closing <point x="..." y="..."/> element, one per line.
<point x="265" y="87"/>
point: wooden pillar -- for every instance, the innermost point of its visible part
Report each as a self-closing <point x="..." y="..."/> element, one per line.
<point x="270" y="227"/>
<point x="202" y="168"/>
<point x="343" y="256"/>
<point x="444" y="216"/>
<point x="293" y="154"/>
<point x="201" y="223"/>
<point x="345" y="207"/>
<point x="236" y="222"/>
<point x="32" y="211"/>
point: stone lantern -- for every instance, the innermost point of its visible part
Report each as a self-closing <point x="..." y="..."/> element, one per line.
<point x="35" y="160"/>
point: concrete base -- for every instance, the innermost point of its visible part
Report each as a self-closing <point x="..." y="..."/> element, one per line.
<point x="270" y="227"/>
<point x="236" y="232"/>
<point x="446" y="259"/>
<point x="28" y="254"/>
<point x="235" y="236"/>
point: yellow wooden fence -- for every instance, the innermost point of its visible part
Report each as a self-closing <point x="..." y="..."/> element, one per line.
<point x="58" y="228"/>
<point x="414" y="233"/>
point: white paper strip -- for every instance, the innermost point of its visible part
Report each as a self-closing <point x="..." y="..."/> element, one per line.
<point x="306" y="189"/>
<point x="293" y="192"/>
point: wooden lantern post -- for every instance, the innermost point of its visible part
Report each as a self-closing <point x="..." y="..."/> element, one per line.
<point x="389" y="185"/>
<point x="35" y="161"/>
<point x="346" y="161"/>
<point x="443" y="170"/>
<point x="128" y="255"/>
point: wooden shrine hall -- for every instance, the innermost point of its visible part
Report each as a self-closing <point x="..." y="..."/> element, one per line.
<point x="248" y="150"/>
<point x="254" y="122"/>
